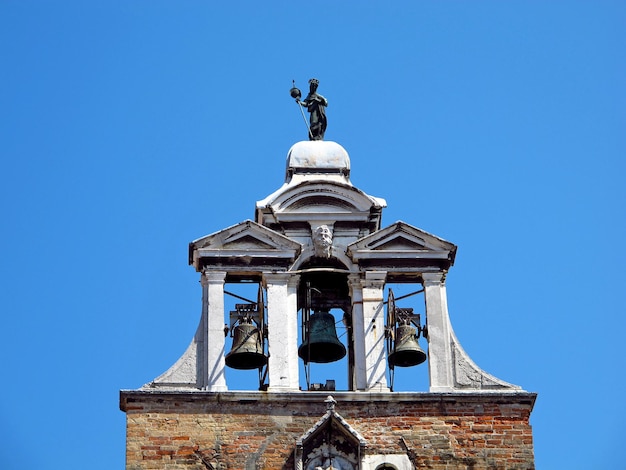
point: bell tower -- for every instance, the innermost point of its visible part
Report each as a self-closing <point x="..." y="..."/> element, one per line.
<point x="319" y="268"/>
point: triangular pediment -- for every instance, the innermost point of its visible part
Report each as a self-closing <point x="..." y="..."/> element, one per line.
<point x="331" y="435"/>
<point x="246" y="239"/>
<point x="247" y="242"/>
<point x="336" y="421"/>
<point x="401" y="241"/>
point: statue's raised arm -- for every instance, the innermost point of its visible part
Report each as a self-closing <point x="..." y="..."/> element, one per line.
<point x="316" y="106"/>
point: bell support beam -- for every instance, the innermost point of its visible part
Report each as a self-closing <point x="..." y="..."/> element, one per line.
<point x="440" y="360"/>
<point x="374" y="331"/>
<point x="282" y="326"/>
<point x="213" y="321"/>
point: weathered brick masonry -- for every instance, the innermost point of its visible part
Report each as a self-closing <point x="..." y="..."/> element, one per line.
<point x="256" y="430"/>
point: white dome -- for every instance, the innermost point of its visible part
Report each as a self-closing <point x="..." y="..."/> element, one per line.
<point x="317" y="156"/>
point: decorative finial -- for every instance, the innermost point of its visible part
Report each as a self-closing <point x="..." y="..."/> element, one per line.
<point x="295" y="91"/>
<point x="316" y="106"/>
<point x="330" y="403"/>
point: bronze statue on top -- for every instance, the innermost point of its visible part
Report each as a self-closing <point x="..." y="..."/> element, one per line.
<point x="316" y="105"/>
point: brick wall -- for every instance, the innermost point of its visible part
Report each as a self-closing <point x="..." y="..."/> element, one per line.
<point x="257" y="430"/>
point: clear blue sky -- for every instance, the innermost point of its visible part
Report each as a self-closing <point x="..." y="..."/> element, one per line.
<point x="129" y="128"/>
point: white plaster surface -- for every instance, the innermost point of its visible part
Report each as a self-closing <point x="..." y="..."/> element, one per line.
<point x="439" y="347"/>
<point x="184" y="372"/>
<point x="216" y="381"/>
<point x="358" y="328"/>
<point x="322" y="154"/>
<point x="374" y="325"/>
<point x="450" y="367"/>
<point x="282" y="325"/>
<point x="202" y="364"/>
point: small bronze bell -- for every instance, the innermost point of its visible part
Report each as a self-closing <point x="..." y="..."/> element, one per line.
<point x="247" y="350"/>
<point x="406" y="351"/>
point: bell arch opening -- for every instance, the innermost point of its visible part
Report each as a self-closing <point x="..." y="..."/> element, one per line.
<point x="406" y="343"/>
<point x="245" y="331"/>
<point x="325" y="336"/>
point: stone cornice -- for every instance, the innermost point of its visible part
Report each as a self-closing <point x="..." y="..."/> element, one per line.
<point x="128" y="397"/>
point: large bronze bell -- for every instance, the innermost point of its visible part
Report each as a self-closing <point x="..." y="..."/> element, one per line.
<point x="322" y="344"/>
<point x="406" y="350"/>
<point x="247" y="350"/>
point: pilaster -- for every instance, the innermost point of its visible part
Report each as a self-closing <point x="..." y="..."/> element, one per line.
<point x="213" y="321"/>
<point x="282" y="326"/>
<point x="358" y="332"/>
<point x="374" y="331"/>
<point x="440" y="358"/>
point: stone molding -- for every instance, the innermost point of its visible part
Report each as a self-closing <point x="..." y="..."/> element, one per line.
<point x="316" y="399"/>
<point x="248" y="242"/>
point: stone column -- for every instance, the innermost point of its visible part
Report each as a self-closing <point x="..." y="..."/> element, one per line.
<point x="439" y="339"/>
<point x="358" y="331"/>
<point x="282" y="327"/>
<point x="213" y="321"/>
<point x="374" y="331"/>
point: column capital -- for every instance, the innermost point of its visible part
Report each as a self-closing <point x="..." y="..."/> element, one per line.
<point x="293" y="280"/>
<point x="278" y="278"/>
<point x="354" y="278"/>
<point x="213" y="277"/>
<point x="355" y="283"/>
<point x="374" y="279"/>
<point x="435" y="278"/>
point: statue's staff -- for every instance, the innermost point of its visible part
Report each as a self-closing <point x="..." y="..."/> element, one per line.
<point x="295" y="93"/>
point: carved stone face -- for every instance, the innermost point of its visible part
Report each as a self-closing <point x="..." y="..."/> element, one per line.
<point x="323" y="241"/>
